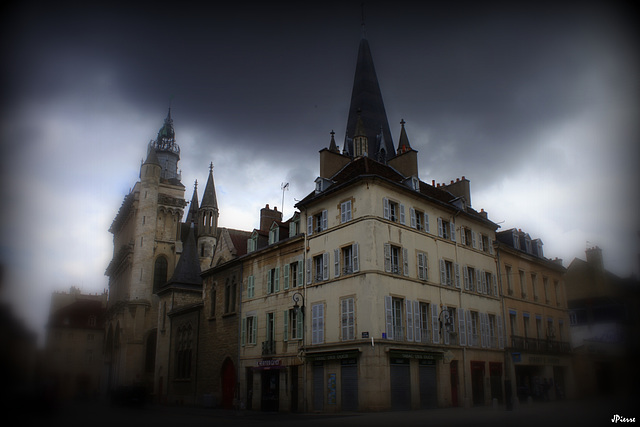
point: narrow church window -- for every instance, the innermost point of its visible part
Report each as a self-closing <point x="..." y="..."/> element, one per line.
<point x="159" y="273"/>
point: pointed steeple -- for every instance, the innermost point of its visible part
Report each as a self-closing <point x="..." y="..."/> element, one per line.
<point x="167" y="150"/>
<point x="192" y="215"/>
<point x="187" y="272"/>
<point x="367" y="97"/>
<point x="403" y="143"/>
<point x="332" y="145"/>
<point x="209" y="199"/>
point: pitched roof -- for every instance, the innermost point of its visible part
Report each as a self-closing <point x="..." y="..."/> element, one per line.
<point x="187" y="272"/>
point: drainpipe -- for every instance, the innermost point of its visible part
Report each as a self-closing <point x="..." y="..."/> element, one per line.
<point x="464" y="348"/>
<point x="304" y="318"/>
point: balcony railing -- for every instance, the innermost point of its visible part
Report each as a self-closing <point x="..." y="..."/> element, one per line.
<point x="268" y="347"/>
<point x="539" y="345"/>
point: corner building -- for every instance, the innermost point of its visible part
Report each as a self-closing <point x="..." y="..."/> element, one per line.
<point x="402" y="309"/>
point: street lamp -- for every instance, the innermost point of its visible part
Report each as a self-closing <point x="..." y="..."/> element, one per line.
<point x="446" y="323"/>
<point x="297" y="298"/>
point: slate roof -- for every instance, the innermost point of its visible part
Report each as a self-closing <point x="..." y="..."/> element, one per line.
<point x="187" y="271"/>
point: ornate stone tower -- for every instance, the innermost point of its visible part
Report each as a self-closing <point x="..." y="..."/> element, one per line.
<point x="147" y="243"/>
<point x="208" y="223"/>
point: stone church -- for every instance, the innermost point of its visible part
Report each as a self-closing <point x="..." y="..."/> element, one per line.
<point x="156" y="265"/>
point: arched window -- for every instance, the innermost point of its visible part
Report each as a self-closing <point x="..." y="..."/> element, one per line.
<point x="184" y="346"/>
<point x="159" y="273"/>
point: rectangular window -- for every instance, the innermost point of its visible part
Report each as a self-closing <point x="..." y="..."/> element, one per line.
<point x="467" y="237"/>
<point x="472" y="328"/>
<point x="392" y="259"/>
<point x="556" y="289"/>
<point x="317" y="323"/>
<point x="526" y="323"/>
<point x="273" y="280"/>
<point x="321" y="267"/>
<point x="534" y="286"/>
<point x="423" y="266"/>
<point x="397" y="304"/>
<point x="347" y="319"/>
<point x="446" y="229"/>
<point x="317" y="222"/>
<point x="539" y="328"/>
<point x="545" y="284"/>
<point x="449" y="273"/>
<point x="293" y="328"/>
<point x="508" y="272"/>
<point x="493" y="341"/>
<point x="469" y="278"/>
<point x="523" y="284"/>
<point x="513" y="322"/>
<point x="249" y="327"/>
<point x="349" y="257"/>
<point x="345" y="211"/>
<point x="393" y="211"/>
<point x="423" y="311"/>
<point x="419" y="220"/>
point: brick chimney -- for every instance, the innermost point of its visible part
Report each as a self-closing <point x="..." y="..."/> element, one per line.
<point x="267" y="216"/>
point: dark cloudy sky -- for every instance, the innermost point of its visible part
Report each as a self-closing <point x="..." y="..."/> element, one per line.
<point x="535" y="103"/>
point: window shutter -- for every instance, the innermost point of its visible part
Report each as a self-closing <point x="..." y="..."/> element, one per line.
<point x="495" y="284"/>
<point x="461" y="329"/>
<point x="309" y="225"/>
<point x="457" y="269"/>
<point x="440" y="230"/>
<point x="473" y="239"/>
<point x="405" y="261"/>
<point x="465" y="271"/>
<point x="469" y="329"/>
<point x="250" y="287"/>
<point x="254" y="329"/>
<point x="388" y="315"/>
<point x="317" y="323"/>
<point x="462" y="236"/>
<point x="308" y="271"/>
<point x="385" y="208"/>
<point x="336" y="262"/>
<point x="300" y="273"/>
<point x="285" y="332"/>
<point x="452" y="225"/>
<point x="402" y="218"/>
<point x="426" y="222"/>
<point x="325" y="265"/>
<point x="277" y="279"/>
<point x="409" y="309"/>
<point x="490" y="243"/>
<point x="417" y="336"/>
<point x="421" y="266"/>
<point x="443" y="274"/>
<point x="412" y="214"/>
<point x="435" y="337"/>
<point x="324" y="220"/>
<point x="355" y="249"/>
<point x="269" y="284"/>
<point x="480" y="242"/>
<point x="484" y="282"/>
<point x="500" y="337"/>
<point x="479" y="281"/>
<point x="243" y="333"/>
<point x="387" y="257"/>
<point x="343" y="212"/>
<point x="286" y="276"/>
<point x="300" y="324"/>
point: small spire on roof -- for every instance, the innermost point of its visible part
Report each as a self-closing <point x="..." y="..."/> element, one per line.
<point x="332" y="145"/>
<point x="403" y="143"/>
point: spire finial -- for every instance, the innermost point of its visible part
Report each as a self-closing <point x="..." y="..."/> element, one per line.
<point x="211" y="167"/>
<point x="402" y="122"/>
<point x="364" y="31"/>
<point x="195" y="185"/>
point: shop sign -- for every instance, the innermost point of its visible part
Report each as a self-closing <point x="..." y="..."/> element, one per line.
<point x="332" y="356"/>
<point x="269" y="363"/>
<point x="415" y="355"/>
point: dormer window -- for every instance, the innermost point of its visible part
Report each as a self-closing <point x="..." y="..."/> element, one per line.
<point x="294" y="226"/>
<point x="274" y="234"/>
<point x="252" y="243"/>
<point x="413" y="183"/>
<point x="322" y="184"/>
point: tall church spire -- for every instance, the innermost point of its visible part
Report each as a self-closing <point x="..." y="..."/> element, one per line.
<point x="367" y="97"/>
<point x="167" y="150"/>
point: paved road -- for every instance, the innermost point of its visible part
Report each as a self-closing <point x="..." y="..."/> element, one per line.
<point x="543" y="414"/>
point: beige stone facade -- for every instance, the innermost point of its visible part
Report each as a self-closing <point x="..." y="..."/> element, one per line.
<point x="538" y="354"/>
<point x="402" y="302"/>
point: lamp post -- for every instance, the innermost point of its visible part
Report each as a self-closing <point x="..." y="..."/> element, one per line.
<point x="297" y="298"/>
<point x="446" y="323"/>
